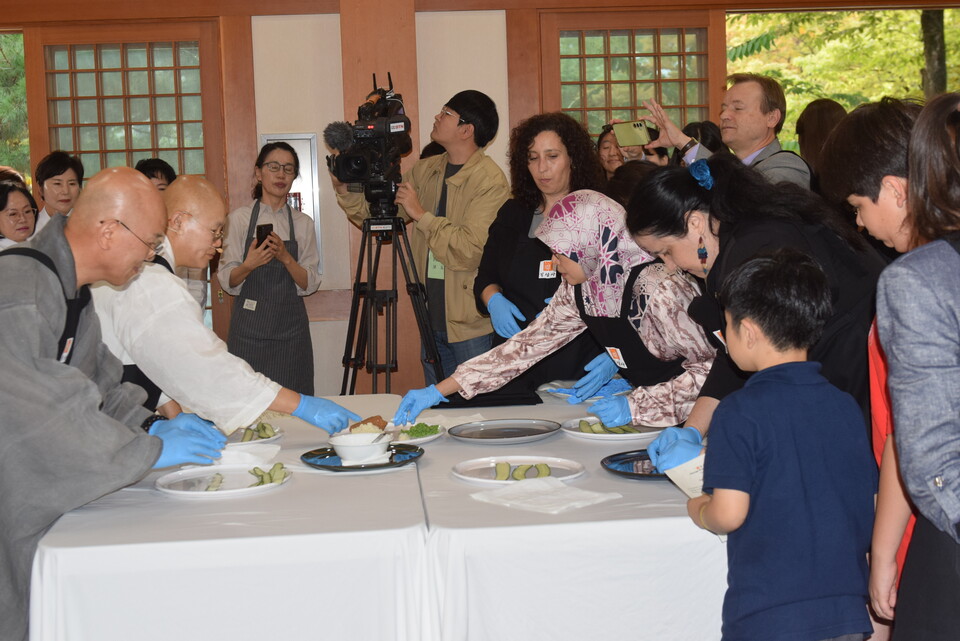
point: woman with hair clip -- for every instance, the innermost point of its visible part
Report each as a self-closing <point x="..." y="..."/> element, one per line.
<point x="918" y="307"/>
<point x="269" y="327"/>
<point x="550" y="156"/>
<point x="715" y="215"/>
<point x="634" y="307"/>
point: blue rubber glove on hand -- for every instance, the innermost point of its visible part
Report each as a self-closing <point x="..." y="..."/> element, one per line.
<point x="325" y="414"/>
<point x="415" y="401"/>
<point x="187" y="438"/>
<point x="613" y="411"/>
<point x="504" y="315"/>
<point x="547" y="301"/>
<point x="599" y="372"/>
<point x="675" y="446"/>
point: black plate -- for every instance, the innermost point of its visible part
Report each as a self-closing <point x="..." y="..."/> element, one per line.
<point x="622" y="464"/>
<point x="325" y="458"/>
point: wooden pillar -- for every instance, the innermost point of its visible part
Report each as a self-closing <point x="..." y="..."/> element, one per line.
<point x="379" y="36"/>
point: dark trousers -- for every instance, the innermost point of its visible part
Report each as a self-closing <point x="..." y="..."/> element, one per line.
<point x="928" y="602"/>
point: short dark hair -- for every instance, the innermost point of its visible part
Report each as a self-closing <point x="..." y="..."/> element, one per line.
<point x="785" y="293"/>
<point x="707" y="134"/>
<point x="54" y="164"/>
<point x="869" y="143"/>
<point x="156" y="168"/>
<point x="771" y="91"/>
<point x="257" y="192"/>
<point x="585" y="169"/>
<point x="626" y="178"/>
<point x="606" y="130"/>
<point x="11" y="175"/>
<point x="933" y="207"/>
<point x="477" y="109"/>
<point x="7" y="187"/>
<point x="814" y="124"/>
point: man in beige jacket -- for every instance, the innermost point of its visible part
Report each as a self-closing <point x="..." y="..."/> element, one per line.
<point x="452" y="199"/>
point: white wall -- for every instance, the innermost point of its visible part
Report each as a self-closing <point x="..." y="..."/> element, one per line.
<point x="459" y="50"/>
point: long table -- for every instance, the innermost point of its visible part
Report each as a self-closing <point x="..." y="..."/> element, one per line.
<point x="406" y="555"/>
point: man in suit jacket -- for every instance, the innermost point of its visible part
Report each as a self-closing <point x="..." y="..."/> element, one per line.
<point x="751" y="116"/>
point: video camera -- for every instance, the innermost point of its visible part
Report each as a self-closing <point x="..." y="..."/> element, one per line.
<point x="371" y="155"/>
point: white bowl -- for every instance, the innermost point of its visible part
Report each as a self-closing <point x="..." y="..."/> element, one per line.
<point x="357" y="448"/>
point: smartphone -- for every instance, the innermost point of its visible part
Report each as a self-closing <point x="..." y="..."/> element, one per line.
<point x="262" y="232"/>
<point x="631" y="134"/>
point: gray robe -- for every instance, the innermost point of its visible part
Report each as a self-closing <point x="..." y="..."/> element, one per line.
<point x="69" y="434"/>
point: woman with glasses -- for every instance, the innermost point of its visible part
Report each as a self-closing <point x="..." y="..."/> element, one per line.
<point x="269" y="326"/>
<point x="18" y="214"/>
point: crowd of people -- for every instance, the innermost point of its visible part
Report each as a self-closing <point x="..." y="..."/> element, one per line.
<point x="780" y="314"/>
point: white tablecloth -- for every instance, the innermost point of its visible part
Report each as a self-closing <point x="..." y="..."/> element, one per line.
<point x="403" y="555"/>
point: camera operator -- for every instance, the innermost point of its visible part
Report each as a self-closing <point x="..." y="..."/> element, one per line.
<point x="451" y="198"/>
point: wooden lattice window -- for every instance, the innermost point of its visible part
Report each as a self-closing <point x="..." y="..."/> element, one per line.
<point x="113" y="104"/>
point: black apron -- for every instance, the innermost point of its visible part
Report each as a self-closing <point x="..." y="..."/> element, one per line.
<point x="133" y="373"/>
<point x="269" y="327"/>
<point x="74" y="305"/>
<point x="620" y="339"/>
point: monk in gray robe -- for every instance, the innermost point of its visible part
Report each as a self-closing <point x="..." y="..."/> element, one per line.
<point x="70" y="432"/>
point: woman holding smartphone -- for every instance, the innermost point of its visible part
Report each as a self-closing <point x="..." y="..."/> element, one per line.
<point x="269" y="275"/>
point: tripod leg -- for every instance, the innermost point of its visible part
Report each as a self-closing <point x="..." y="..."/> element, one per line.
<point x="351" y="362"/>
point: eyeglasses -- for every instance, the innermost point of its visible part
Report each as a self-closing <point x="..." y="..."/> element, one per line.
<point x="447" y="112"/>
<point x="155" y="248"/>
<point x="273" y="166"/>
<point x="217" y="235"/>
<point x="13" y="214"/>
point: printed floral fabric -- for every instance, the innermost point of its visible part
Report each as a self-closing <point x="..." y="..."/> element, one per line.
<point x="591" y="229"/>
<point x="662" y="324"/>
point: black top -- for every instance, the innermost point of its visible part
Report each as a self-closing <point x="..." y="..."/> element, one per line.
<point x="852" y="276"/>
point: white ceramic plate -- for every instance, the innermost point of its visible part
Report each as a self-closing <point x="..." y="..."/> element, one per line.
<point x="646" y="435"/>
<point x="192" y="483"/>
<point x="483" y="470"/>
<point x="234" y="439"/>
<point x="415" y="441"/>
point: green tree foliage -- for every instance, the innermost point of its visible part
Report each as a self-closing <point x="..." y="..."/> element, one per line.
<point x="14" y="135"/>
<point x="851" y="56"/>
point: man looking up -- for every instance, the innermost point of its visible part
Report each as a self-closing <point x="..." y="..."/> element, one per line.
<point x="751" y="116"/>
<point x="452" y="199"/>
<point x="70" y="432"/>
<point x="156" y="328"/>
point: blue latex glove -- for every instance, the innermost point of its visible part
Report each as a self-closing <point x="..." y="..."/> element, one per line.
<point x="599" y="372"/>
<point x="325" y="414"/>
<point x="547" y="301"/>
<point x="504" y="315"/>
<point x="675" y="446"/>
<point x="613" y="410"/>
<point x="415" y="401"/>
<point x="187" y="438"/>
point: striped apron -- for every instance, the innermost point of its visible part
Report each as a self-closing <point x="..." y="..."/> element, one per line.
<point x="269" y="327"/>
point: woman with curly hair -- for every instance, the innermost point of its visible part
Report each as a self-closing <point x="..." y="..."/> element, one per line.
<point x="550" y="155"/>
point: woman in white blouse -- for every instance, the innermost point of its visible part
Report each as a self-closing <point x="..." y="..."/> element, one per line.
<point x="269" y="326"/>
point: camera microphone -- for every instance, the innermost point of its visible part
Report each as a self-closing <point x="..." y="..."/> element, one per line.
<point x="338" y="135"/>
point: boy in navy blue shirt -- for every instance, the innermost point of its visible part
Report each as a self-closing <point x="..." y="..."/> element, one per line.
<point x="788" y="471"/>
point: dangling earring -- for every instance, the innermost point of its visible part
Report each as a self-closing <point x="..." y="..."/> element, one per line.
<point x="702" y="255"/>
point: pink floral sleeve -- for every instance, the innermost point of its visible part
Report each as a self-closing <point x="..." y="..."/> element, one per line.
<point x="669" y="333"/>
<point x="559" y="324"/>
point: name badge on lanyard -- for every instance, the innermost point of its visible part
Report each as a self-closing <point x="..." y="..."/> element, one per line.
<point x="718" y="334"/>
<point x="67" y="348"/>
<point x="617" y="357"/>
<point x="435" y="269"/>
<point x="548" y="269"/>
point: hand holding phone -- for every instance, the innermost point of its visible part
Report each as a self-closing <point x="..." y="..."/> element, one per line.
<point x="263" y="232"/>
<point x="632" y="134"/>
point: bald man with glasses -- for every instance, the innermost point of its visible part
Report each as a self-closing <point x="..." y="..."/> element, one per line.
<point x="155" y="327"/>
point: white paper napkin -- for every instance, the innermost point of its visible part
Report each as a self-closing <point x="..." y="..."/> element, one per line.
<point x="547" y="495"/>
<point x="248" y="454"/>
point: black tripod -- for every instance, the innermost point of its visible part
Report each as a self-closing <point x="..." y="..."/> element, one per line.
<point x="381" y="227"/>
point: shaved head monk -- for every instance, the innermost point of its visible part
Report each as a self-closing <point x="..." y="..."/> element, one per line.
<point x="70" y="431"/>
<point x="156" y="328"/>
